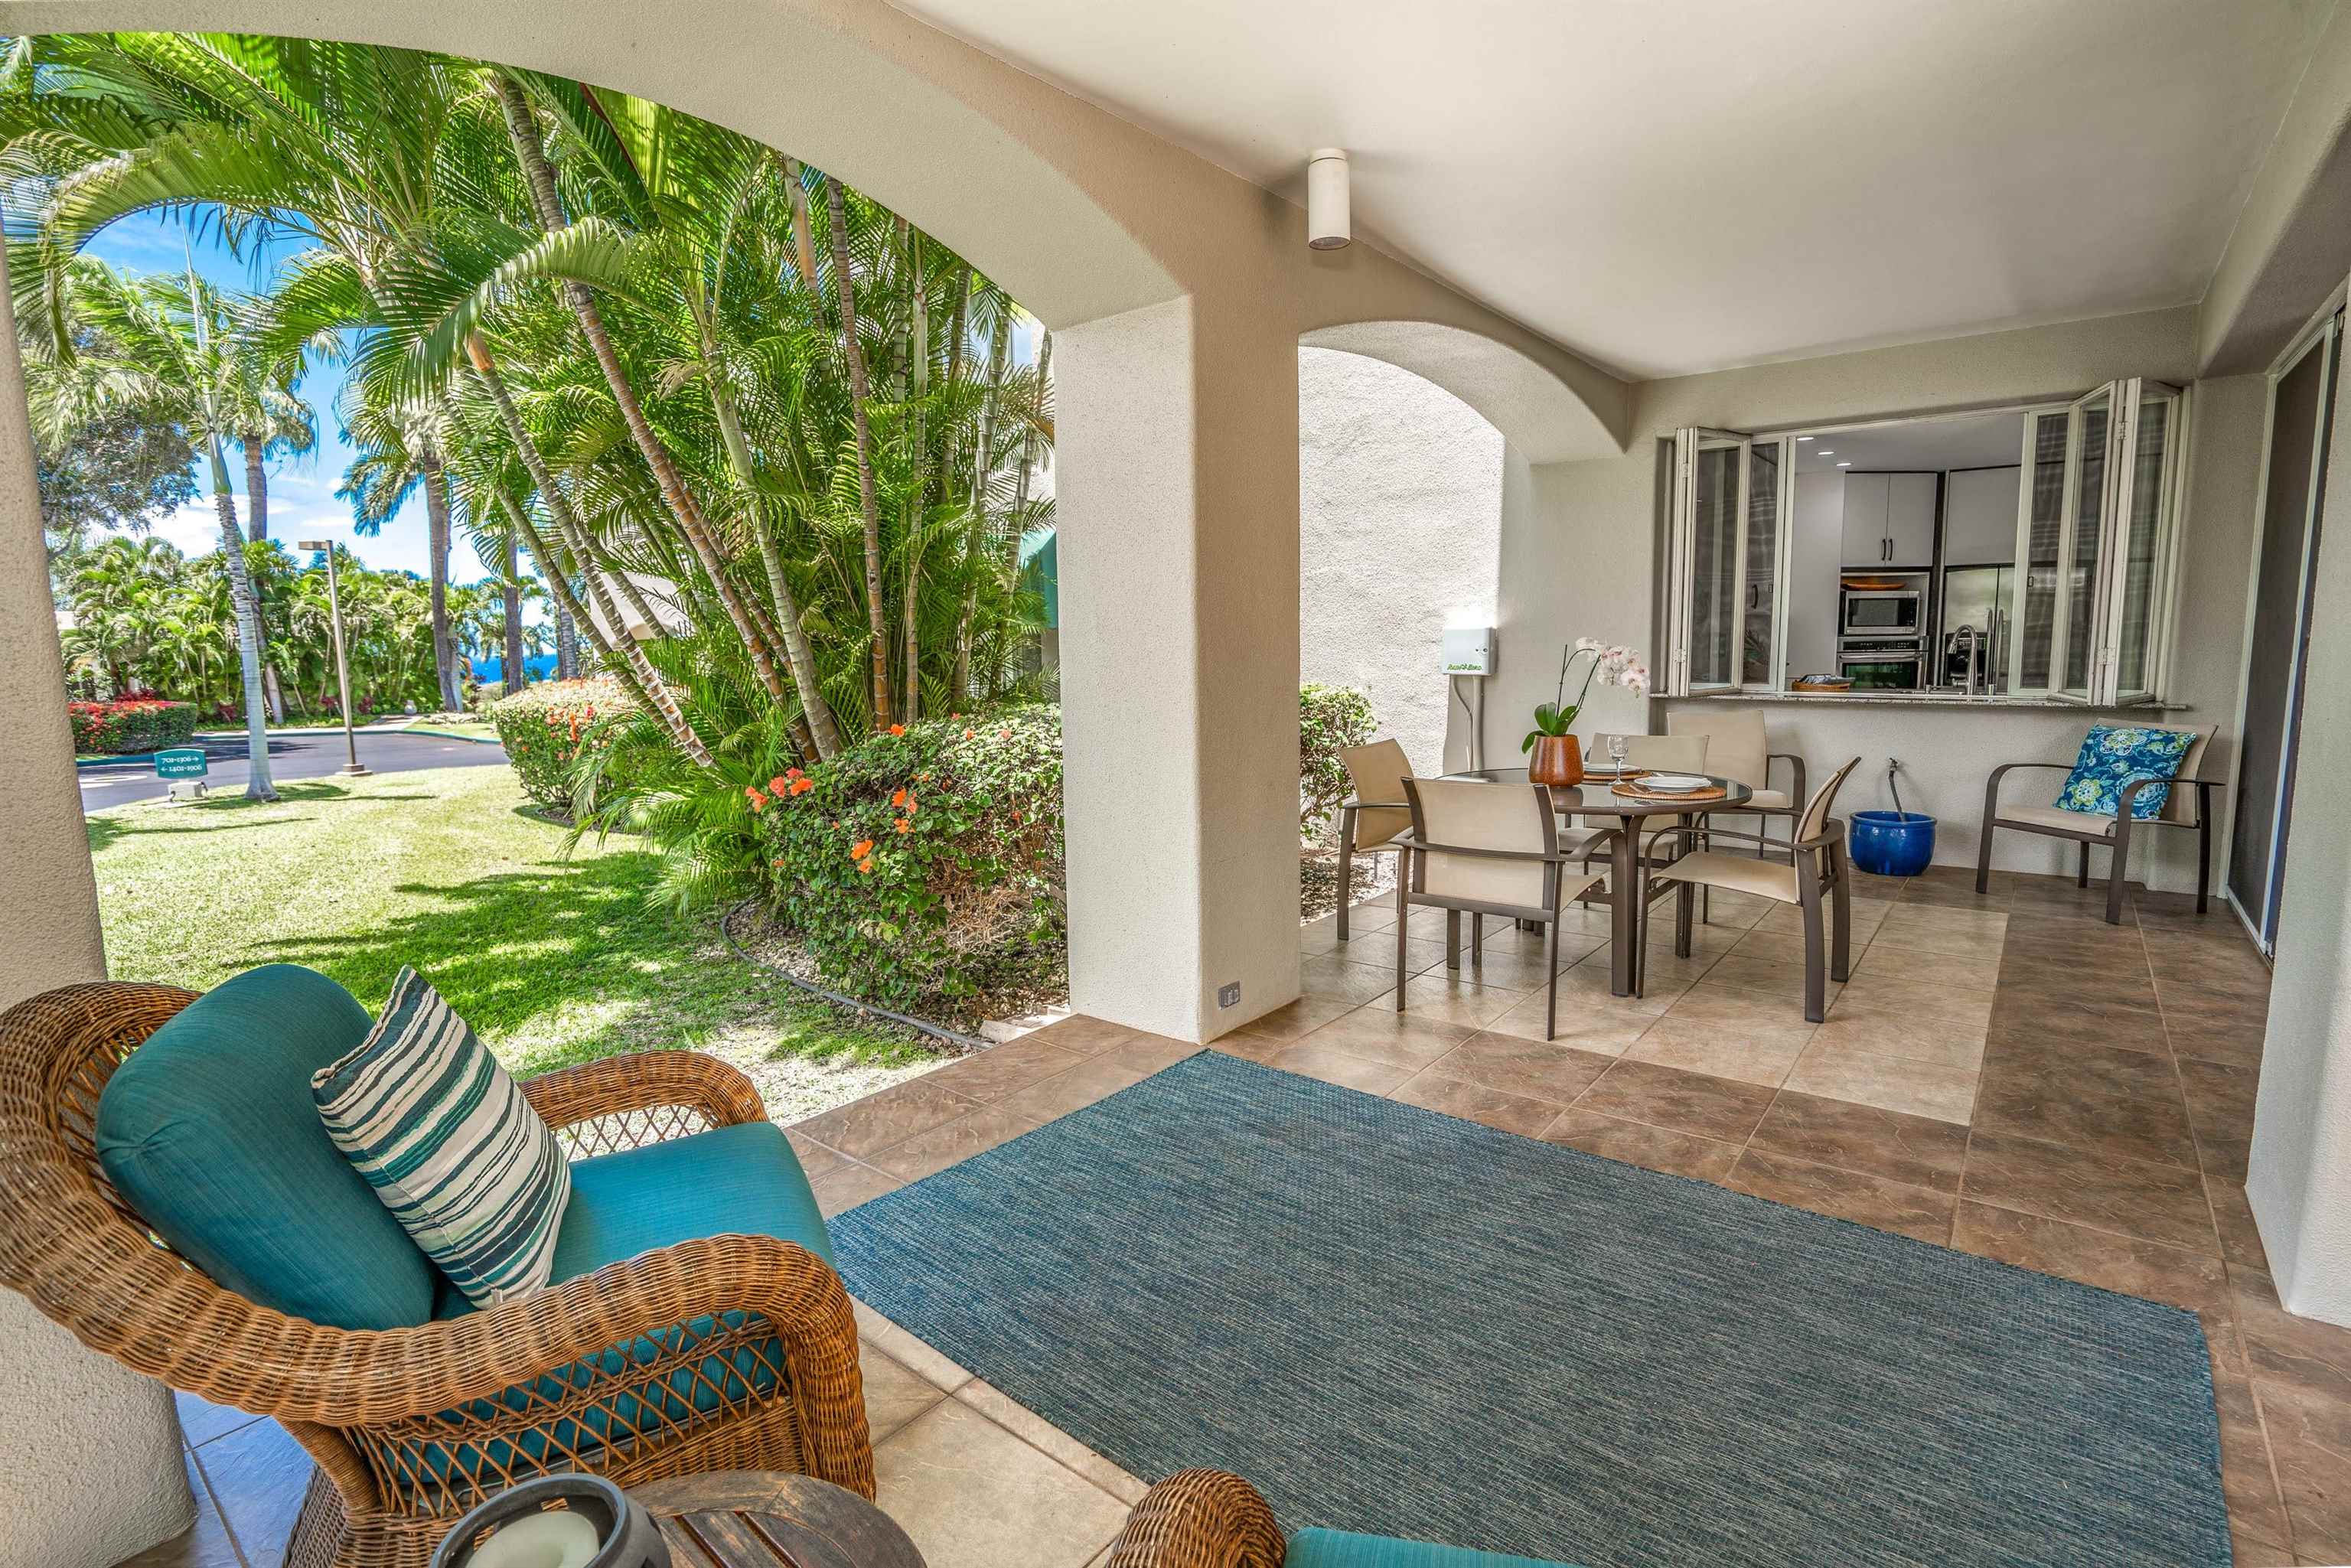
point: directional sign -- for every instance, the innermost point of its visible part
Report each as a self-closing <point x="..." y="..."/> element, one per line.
<point x="180" y="762"/>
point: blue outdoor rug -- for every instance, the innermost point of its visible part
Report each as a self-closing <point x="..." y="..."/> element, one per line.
<point x="1395" y="1322"/>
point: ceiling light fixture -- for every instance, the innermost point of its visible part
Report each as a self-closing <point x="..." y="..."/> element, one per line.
<point x="1803" y="438"/>
<point x="1847" y="464"/>
<point x="1825" y="452"/>
<point x="1327" y="217"/>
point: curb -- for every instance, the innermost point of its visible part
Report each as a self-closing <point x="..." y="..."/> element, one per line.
<point x="448" y="734"/>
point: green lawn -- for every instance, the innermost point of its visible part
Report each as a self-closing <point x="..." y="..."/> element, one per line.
<point x="552" y="961"/>
<point x="471" y="728"/>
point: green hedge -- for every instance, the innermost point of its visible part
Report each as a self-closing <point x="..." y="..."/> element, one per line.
<point x="1330" y="719"/>
<point x="541" y="728"/>
<point x="922" y="868"/>
<point x="129" y="727"/>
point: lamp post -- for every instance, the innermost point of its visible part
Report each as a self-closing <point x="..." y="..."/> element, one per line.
<point x="342" y="670"/>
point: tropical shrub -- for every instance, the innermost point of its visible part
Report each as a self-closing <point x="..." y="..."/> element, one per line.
<point x="1329" y="720"/>
<point x="545" y="728"/>
<point x="131" y="724"/>
<point x="922" y="868"/>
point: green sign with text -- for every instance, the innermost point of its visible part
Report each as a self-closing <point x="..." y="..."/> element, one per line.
<point x="180" y="762"/>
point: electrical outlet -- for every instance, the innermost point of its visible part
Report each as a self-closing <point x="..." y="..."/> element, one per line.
<point x="1229" y="995"/>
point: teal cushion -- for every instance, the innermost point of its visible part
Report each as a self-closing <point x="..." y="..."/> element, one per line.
<point x="2113" y="756"/>
<point x="1337" y="1548"/>
<point x="209" y="1133"/>
<point x="741" y="1180"/>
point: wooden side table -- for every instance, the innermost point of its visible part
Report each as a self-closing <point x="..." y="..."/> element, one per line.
<point x="766" y="1519"/>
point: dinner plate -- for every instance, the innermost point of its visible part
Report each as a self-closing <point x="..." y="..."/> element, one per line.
<point x="1609" y="769"/>
<point x="1674" y="783"/>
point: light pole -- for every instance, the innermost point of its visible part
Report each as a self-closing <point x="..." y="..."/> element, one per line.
<point x="342" y="670"/>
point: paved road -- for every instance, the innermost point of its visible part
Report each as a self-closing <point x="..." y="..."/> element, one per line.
<point x="290" y="757"/>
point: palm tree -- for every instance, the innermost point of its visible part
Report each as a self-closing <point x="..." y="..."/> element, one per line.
<point x="171" y="347"/>
<point x="399" y="445"/>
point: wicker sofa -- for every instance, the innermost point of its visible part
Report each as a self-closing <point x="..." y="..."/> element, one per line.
<point x="1210" y="1519"/>
<point x="688" y="1349"/>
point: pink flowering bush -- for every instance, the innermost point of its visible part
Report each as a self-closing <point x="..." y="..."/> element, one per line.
<point x="544" y="728"/>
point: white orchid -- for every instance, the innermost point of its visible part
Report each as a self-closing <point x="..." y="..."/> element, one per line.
<point x="1613" y="663"/>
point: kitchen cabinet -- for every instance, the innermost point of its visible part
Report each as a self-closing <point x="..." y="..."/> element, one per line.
<point x="1979" y="516"/>
<point x="1910" y="518"/>
<point x="1866" y="500"/>
<point x="1889" y="519"/>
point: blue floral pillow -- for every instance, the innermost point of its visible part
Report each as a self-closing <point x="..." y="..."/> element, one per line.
<point x="2112" y="757"/>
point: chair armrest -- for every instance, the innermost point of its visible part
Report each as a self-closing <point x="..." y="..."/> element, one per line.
<point x="644" y="1081"/>
<point x="1712" y="833"/>
<point x="272" y="1364"/>
<point x="1992" y="786"/>
<point x="1408" y="840"/>
<point x="1355" y="805"/>
<point x="1199" y="1518"/>
<point x="1796" y="796"/>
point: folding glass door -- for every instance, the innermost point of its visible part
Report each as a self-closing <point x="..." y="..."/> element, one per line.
<point x="1727" y="559"/>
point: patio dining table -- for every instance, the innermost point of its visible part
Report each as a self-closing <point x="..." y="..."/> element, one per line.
<point x="1595" y="797"/>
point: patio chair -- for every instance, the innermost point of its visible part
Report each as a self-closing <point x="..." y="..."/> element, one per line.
<point x="1814" y="872"/>
<point x="694" y="1322"/>
<point x="2180" y="810"/>
<point x="1369" y="820"/>
<point x="1211" y="1519"/>
<point x="1484" y="849"/>
<point x="1738" y="748"/>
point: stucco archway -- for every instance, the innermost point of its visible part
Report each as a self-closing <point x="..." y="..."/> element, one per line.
<point x="1540" y="410"/>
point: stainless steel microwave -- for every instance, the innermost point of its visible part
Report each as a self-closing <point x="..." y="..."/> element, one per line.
<point x="1881" y="612"/>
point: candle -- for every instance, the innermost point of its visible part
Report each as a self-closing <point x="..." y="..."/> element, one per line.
<point x="556" y="1538"/>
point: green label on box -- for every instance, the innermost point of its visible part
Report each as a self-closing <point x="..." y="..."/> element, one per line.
<point x="180" y="762"/>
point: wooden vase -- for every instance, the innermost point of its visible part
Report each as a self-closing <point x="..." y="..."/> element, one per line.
<point x="1557" y="760"/>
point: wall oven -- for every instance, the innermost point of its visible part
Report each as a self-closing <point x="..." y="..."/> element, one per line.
<point x="1881" y="612"/>
<point x="1890" y="665"/>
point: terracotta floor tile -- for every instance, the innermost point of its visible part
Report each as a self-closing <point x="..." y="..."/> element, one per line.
<point x="891" y="1116"/>
<point x="1954" y="1005"/>
<point x="1639" y="1144"/>
<point x="1782" y="983"/>
<point x="2310" y="1440"/>
<point x="951" y="1143"/>
<point x="2241" y="1235"/>
<point x="201" y="1420"/>
<point x="1597" y="1025"/>
<point x="1914" y="1211"/>
<point x="1558" y="1072"/>
<point x="1735" y="1005"/>
<point x="1858" y="1025"/>
<point x="2119" y="1103"/>
<point x="1084" y="1034"/>
<point x="1699" y="1045"/>
<point x="2142" y="1198"/>
<point x="1979" y="975"/>
<point x="1868" y="916"/>
<point x="2136" y="1267"/>
<point x="970" y="1492"/>
<point x="2248" y="1476"/>
<point x="1380" y="1033"/>
<point x="2220" y="1110"/>
<point x="1479" y="1103"/>
<point x="1331" y="979"/>
<point x="1889" y="1083"/>
<point x="1436" y="998"/>
<point x="1587" y="985"/>
<point x="991" y="1074"/>
<point x="1667" y="1097"/>
<point x="1784" y="948"/>
<point x="1915" y="1151"/>
<point x="1294" y="1020"/>
<point x="1333" y="1066"/>
<point x="838" y="1192"/>
<point x="2287" y="1349"/>
<point x="1072" y="1091"/>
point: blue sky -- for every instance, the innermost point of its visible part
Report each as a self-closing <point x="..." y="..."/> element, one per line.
<point x="302" y="503"/>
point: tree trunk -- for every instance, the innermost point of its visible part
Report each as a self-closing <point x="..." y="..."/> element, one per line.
<point x="649" y="684"/>
<point x="919" y="452"/>
<point x="567" y="630"/>
<point x="248" y="604"/>
<point x="997" y="347"/>
<point x="823" y="734"/>
<point x="860" y="391"/>
<point x="511" y="598"/>
<point x="256" y="488"/>
<point x="803" y="243"/>
<point x="540" y="179"/>
<point x="436" y="535"/>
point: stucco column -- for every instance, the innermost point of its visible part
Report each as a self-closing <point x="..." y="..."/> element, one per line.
<point x="90" y="1453"/>
<point x="1175" y="471"/>
<point x="2299" y="1181"/>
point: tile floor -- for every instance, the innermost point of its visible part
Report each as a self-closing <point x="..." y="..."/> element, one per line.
<point x="2004" y="1074"/>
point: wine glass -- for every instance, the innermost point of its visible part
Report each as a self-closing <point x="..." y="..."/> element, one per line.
<point x="1617" y="747"/>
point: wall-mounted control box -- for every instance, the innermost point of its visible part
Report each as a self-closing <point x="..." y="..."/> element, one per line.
<point x="1469" y="650"/>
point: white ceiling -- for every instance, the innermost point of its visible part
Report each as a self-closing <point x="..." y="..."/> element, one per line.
<point x="1676" y="187"/>
<point x="1963" y="441"/>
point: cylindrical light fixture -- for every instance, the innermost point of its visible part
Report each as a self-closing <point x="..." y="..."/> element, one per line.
<point x="1327" y="218"/>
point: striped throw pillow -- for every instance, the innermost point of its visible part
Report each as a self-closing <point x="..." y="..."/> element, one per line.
<point x="449" y="1143"/>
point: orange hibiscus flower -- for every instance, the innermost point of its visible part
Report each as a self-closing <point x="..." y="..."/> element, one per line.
<point x="861" y="849"/>
<point x="897" y="729"/>
<point x="865" y="867"/>
<point x="905" y="826"/>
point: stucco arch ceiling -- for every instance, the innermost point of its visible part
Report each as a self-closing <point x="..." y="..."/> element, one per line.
<point x="1668" y="189"/>
<point x="1543" y="419"/>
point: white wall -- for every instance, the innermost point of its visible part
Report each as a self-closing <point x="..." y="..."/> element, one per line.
<point x="1580" y="559"/>
<point x="90" y="1453"/>
<point x="1399" y="532"/>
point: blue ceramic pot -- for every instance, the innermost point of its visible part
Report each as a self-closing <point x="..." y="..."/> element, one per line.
<point x="1891" y="843"/>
